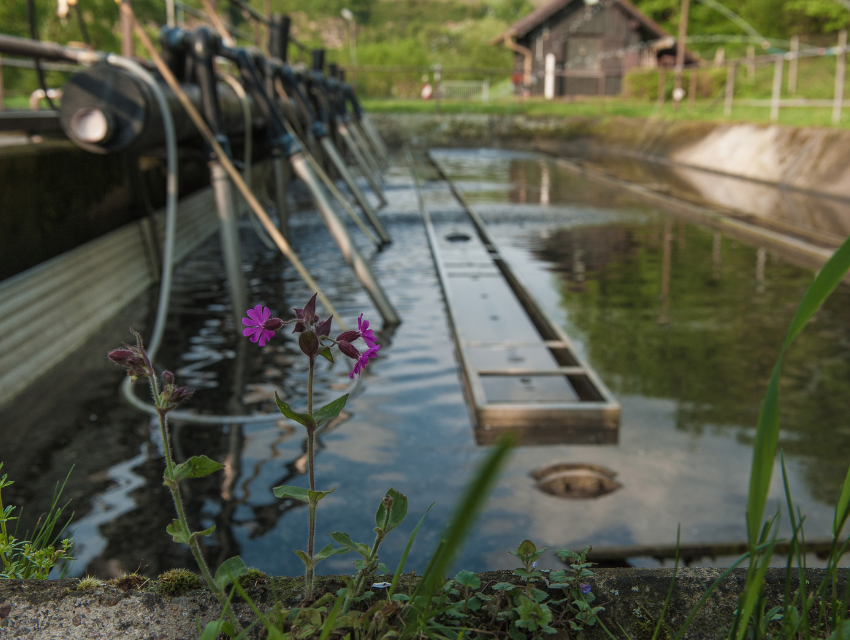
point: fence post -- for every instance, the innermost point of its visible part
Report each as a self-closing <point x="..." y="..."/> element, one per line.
<point x="662" y="85"/>
<point x="693" y="85"/>
<point x="792" y="65"/>
<point x="549" y="77"/>
<point x="719" y="57"/>
<point x="730" y="88"/>
<point x="485" y="91"/>
<point x="838" y="101"/>
<point x="751" y="63"/>
<point x="777" y="88"/>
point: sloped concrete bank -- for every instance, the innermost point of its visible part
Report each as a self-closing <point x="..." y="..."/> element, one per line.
<point x="633" y="599"/>
<point x="815" y="160"/>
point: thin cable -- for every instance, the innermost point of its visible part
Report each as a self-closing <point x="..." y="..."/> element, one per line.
<point x="38" y="70"/>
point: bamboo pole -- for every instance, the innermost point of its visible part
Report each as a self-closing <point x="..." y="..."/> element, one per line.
<point x="693" y="86"/>
<point x="234" y="174"/>
<point x="839" y="77"/>
<point x="680" y="52"/>
<point x="777" y="88"/>
<point x="662" y="85"/>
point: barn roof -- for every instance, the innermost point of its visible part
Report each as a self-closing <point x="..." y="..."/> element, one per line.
<point x="522" y="27"/>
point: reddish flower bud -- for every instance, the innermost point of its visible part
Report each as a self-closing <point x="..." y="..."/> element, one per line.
<point x="348" y="349"/>
<point x="310" y="308"/>
<point x="132" y="361"/>
<point x="168" y="377"/>
<point x="272" y="324"/>
<point x="348" y="336"/>
<point x="172" y="394"/>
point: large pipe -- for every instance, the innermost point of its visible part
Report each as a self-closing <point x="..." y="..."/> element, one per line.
<point x="106" y="109"/>
<point x="25" y="47"/>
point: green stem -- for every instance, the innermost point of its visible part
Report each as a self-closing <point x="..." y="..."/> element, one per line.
<point x="311" y="534"/>
<point x="174" y="487"/>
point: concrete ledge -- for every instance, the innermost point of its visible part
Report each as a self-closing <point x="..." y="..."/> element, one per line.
<point x="632" y="598"/>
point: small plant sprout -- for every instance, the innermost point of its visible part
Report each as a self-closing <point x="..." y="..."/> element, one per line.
<point x="314" y="340"/>
<point x="89" y="582"/>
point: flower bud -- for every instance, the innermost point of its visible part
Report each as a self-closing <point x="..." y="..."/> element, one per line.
<point x="348" y="336"/>
<point x="132" y="361"/>
<point x="348" y="349"/>
<point x="273" y="324"/>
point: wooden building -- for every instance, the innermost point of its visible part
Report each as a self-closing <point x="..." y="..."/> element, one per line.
<point x="584" y="47"/>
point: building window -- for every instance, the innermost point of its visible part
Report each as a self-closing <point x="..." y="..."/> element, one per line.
<point x="583" y="53"/>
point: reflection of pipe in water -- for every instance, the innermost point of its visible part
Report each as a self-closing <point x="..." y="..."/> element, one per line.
<point x="665" y="271"/>
<point x="761" y="256"/>
<point x="545" y="182"/>
<point x="715" y="255"/>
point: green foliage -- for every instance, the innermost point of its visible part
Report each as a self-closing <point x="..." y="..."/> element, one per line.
<point x="32" y="556"/>
<point x="176" y="582"/>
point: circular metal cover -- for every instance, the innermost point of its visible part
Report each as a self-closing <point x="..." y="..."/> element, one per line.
<point x="576" y="481"/>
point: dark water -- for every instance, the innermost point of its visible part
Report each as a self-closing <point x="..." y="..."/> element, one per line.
<point x="681" y="323"/>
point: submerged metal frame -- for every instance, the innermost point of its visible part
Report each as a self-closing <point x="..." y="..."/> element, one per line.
<point x="593" y="419"/>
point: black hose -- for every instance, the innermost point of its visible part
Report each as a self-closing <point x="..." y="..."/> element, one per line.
<point x="82" y="23"/>
<point x="34" y="35"/>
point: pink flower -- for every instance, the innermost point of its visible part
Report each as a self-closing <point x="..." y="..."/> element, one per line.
<point x="371" y="352"/>
<point x="365" y="332"/>
<point x="261" y="326"/>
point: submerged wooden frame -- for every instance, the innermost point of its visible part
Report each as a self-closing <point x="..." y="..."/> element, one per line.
<point x="592" y="418"/>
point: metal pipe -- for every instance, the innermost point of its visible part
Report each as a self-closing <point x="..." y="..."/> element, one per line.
<point x="25" y="47"/>
<point x="338" y="163"/>
<point x="343" y="240"/>
<point x="361" y="161"/>
<point x="229" y="234"/>
<point x="376" y="151"/>
<point x="354" y="130"/>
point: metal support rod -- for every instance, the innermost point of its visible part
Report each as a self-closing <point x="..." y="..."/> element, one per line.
<point x="365" y="148"/>
<point x="777" y="88"/>
<point x="279" y="167"/>
<point x="333" y="189"/>
<point x="838" y="101"/>
<point x="374" y="136"/>
<point x="343" y="240"/>
<point x="361" y="161"/>
<point x="229" y="234"/>
<point x="338" y="163"/>
<point x="376" y="151"/>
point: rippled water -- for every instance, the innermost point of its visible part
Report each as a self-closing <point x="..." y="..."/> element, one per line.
<point x="681" y="323"/>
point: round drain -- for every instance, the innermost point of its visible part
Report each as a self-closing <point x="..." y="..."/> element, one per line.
<point x="576" y="481"/>
<point x="457" y="236"/>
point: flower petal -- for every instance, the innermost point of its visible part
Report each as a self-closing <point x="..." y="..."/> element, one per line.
<point x="249" y="331"/>
<point x="265" y="314"/>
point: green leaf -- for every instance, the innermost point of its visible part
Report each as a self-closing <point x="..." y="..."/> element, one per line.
<point x="327" y="552"/>
<point x="383" y="569"/>
<point x="767" y="431"/>
<point x="345" y="540"/>
<point x="842" y="508"/>
<point x="205" y="532"/>
<point x="398" y="511"/>
<point x="230" y="570"/>
<point x="526" y="548"/>
<point x="504" y="586"/>
<point x="301" y="418"/>
<point x="468" y="579"/>
<point x="303" y="555"/>
<point x="566" y="554"/>
<point x="196" y="467"/>
<point x="175" y="530"/>
<point x="296" y="493"/>
<point x="329" y="411"/>
<point x="315" y="496"/>
<point x="327" y="355"/>
<point x="400" y="568"/>
<point x="212" y="630"/>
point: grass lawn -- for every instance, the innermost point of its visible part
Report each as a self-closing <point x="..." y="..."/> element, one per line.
<point x="706" y="110"/>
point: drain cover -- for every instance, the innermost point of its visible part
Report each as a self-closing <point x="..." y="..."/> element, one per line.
<point x="576" y="481"/>
<point x="457" y="236"/>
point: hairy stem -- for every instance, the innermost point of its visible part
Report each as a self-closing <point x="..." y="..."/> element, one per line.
<point x="311" y="534"/>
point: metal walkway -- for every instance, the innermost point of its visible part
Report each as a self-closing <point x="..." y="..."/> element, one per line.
<point x="520" y="370"/>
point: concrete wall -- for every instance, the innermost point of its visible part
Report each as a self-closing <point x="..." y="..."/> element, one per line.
<point x="807" y="159"/>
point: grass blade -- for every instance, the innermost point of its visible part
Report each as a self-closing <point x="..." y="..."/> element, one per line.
<point x="767" y="431"/>
<point x="672" y="585"/>
<point x="401" y="563"/>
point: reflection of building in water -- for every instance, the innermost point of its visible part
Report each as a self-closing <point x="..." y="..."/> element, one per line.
<point x="578" y="251"/>
<point x="545" y="182"/>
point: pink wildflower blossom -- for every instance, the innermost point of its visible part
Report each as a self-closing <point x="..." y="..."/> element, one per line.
<point x="371" y="352"/>
<point x="365" y="332"/>
<point x="260" y="325"/>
